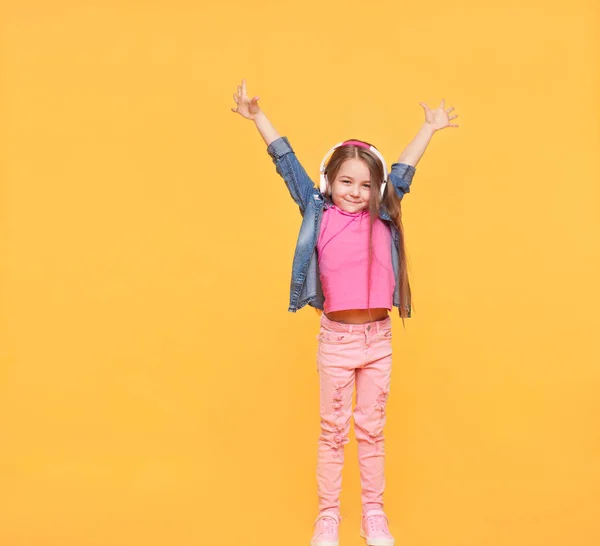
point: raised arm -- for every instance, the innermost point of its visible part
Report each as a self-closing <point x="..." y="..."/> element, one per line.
<point x="299" y="184"/>
<point x="434" y="121"/>
<point x="249" y="109"/>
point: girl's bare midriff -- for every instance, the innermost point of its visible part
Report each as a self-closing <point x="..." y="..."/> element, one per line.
<point x="357" y="316"/>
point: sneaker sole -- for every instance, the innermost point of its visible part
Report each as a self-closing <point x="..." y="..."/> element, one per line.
<point x="377" y="541"/>
<point x="319" y="543"/>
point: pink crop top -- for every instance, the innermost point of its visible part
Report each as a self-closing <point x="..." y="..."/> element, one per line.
<point x="343" y="252"/>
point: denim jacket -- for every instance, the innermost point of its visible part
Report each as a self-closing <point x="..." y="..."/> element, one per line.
<point x="305" y="287"/>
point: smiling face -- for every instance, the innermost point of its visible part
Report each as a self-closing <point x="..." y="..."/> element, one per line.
<point x="351" y="189"/>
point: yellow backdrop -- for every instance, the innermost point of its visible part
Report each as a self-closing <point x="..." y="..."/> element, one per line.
<point x="154" y="389"/>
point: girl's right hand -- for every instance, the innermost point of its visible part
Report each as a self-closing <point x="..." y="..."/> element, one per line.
<point x="245" y="106"/>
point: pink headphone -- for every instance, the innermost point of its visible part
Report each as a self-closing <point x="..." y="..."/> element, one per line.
<point x="360" y="144"/>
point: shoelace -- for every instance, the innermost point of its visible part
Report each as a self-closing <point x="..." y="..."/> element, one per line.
<point x="326" y="525"/>
<point x="377" y="524"/>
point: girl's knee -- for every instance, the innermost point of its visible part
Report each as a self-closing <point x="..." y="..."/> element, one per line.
<point x="370" y="431"/>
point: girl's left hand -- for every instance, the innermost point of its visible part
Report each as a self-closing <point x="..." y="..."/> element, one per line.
<point x="439" y="118"/>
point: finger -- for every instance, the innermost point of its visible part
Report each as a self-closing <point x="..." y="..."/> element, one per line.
<point x="239" y="91"/>
<point x="234" y="110"/>
<point x="442" y="104"/>
<point x="235" y="98"/>
<point x="450" y="109"/>
<point x="244" y="85"/>
<point x="424" y="105"/>
<point x="255" y="99"/>
<point x="453" y="117"/>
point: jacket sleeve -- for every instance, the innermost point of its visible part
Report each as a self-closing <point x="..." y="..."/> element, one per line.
<point x="401" y="177"/>
<point x="299" y="184"/>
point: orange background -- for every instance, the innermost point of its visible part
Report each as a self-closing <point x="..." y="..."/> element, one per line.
<point x="155" y="391"/>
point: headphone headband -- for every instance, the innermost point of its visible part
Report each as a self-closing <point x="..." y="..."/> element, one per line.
<point x="360" y="144"/>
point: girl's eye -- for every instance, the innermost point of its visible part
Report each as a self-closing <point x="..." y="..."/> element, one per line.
<point x="368" y="186"/>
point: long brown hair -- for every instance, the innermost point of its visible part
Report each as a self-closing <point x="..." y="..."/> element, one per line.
<point x="390" y="203"/>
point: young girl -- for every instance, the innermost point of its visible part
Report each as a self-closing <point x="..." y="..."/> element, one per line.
<point x="350" y="263"/>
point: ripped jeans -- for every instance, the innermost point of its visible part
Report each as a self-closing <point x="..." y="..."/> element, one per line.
<point x="350" y="354"/>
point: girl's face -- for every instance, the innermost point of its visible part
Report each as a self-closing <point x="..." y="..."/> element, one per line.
<point x="351" y="189"/>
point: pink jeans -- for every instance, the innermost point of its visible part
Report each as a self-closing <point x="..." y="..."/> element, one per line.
<point x="350" y="354"/>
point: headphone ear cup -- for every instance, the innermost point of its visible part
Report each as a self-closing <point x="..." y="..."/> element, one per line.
<point x="325" y="189"/>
